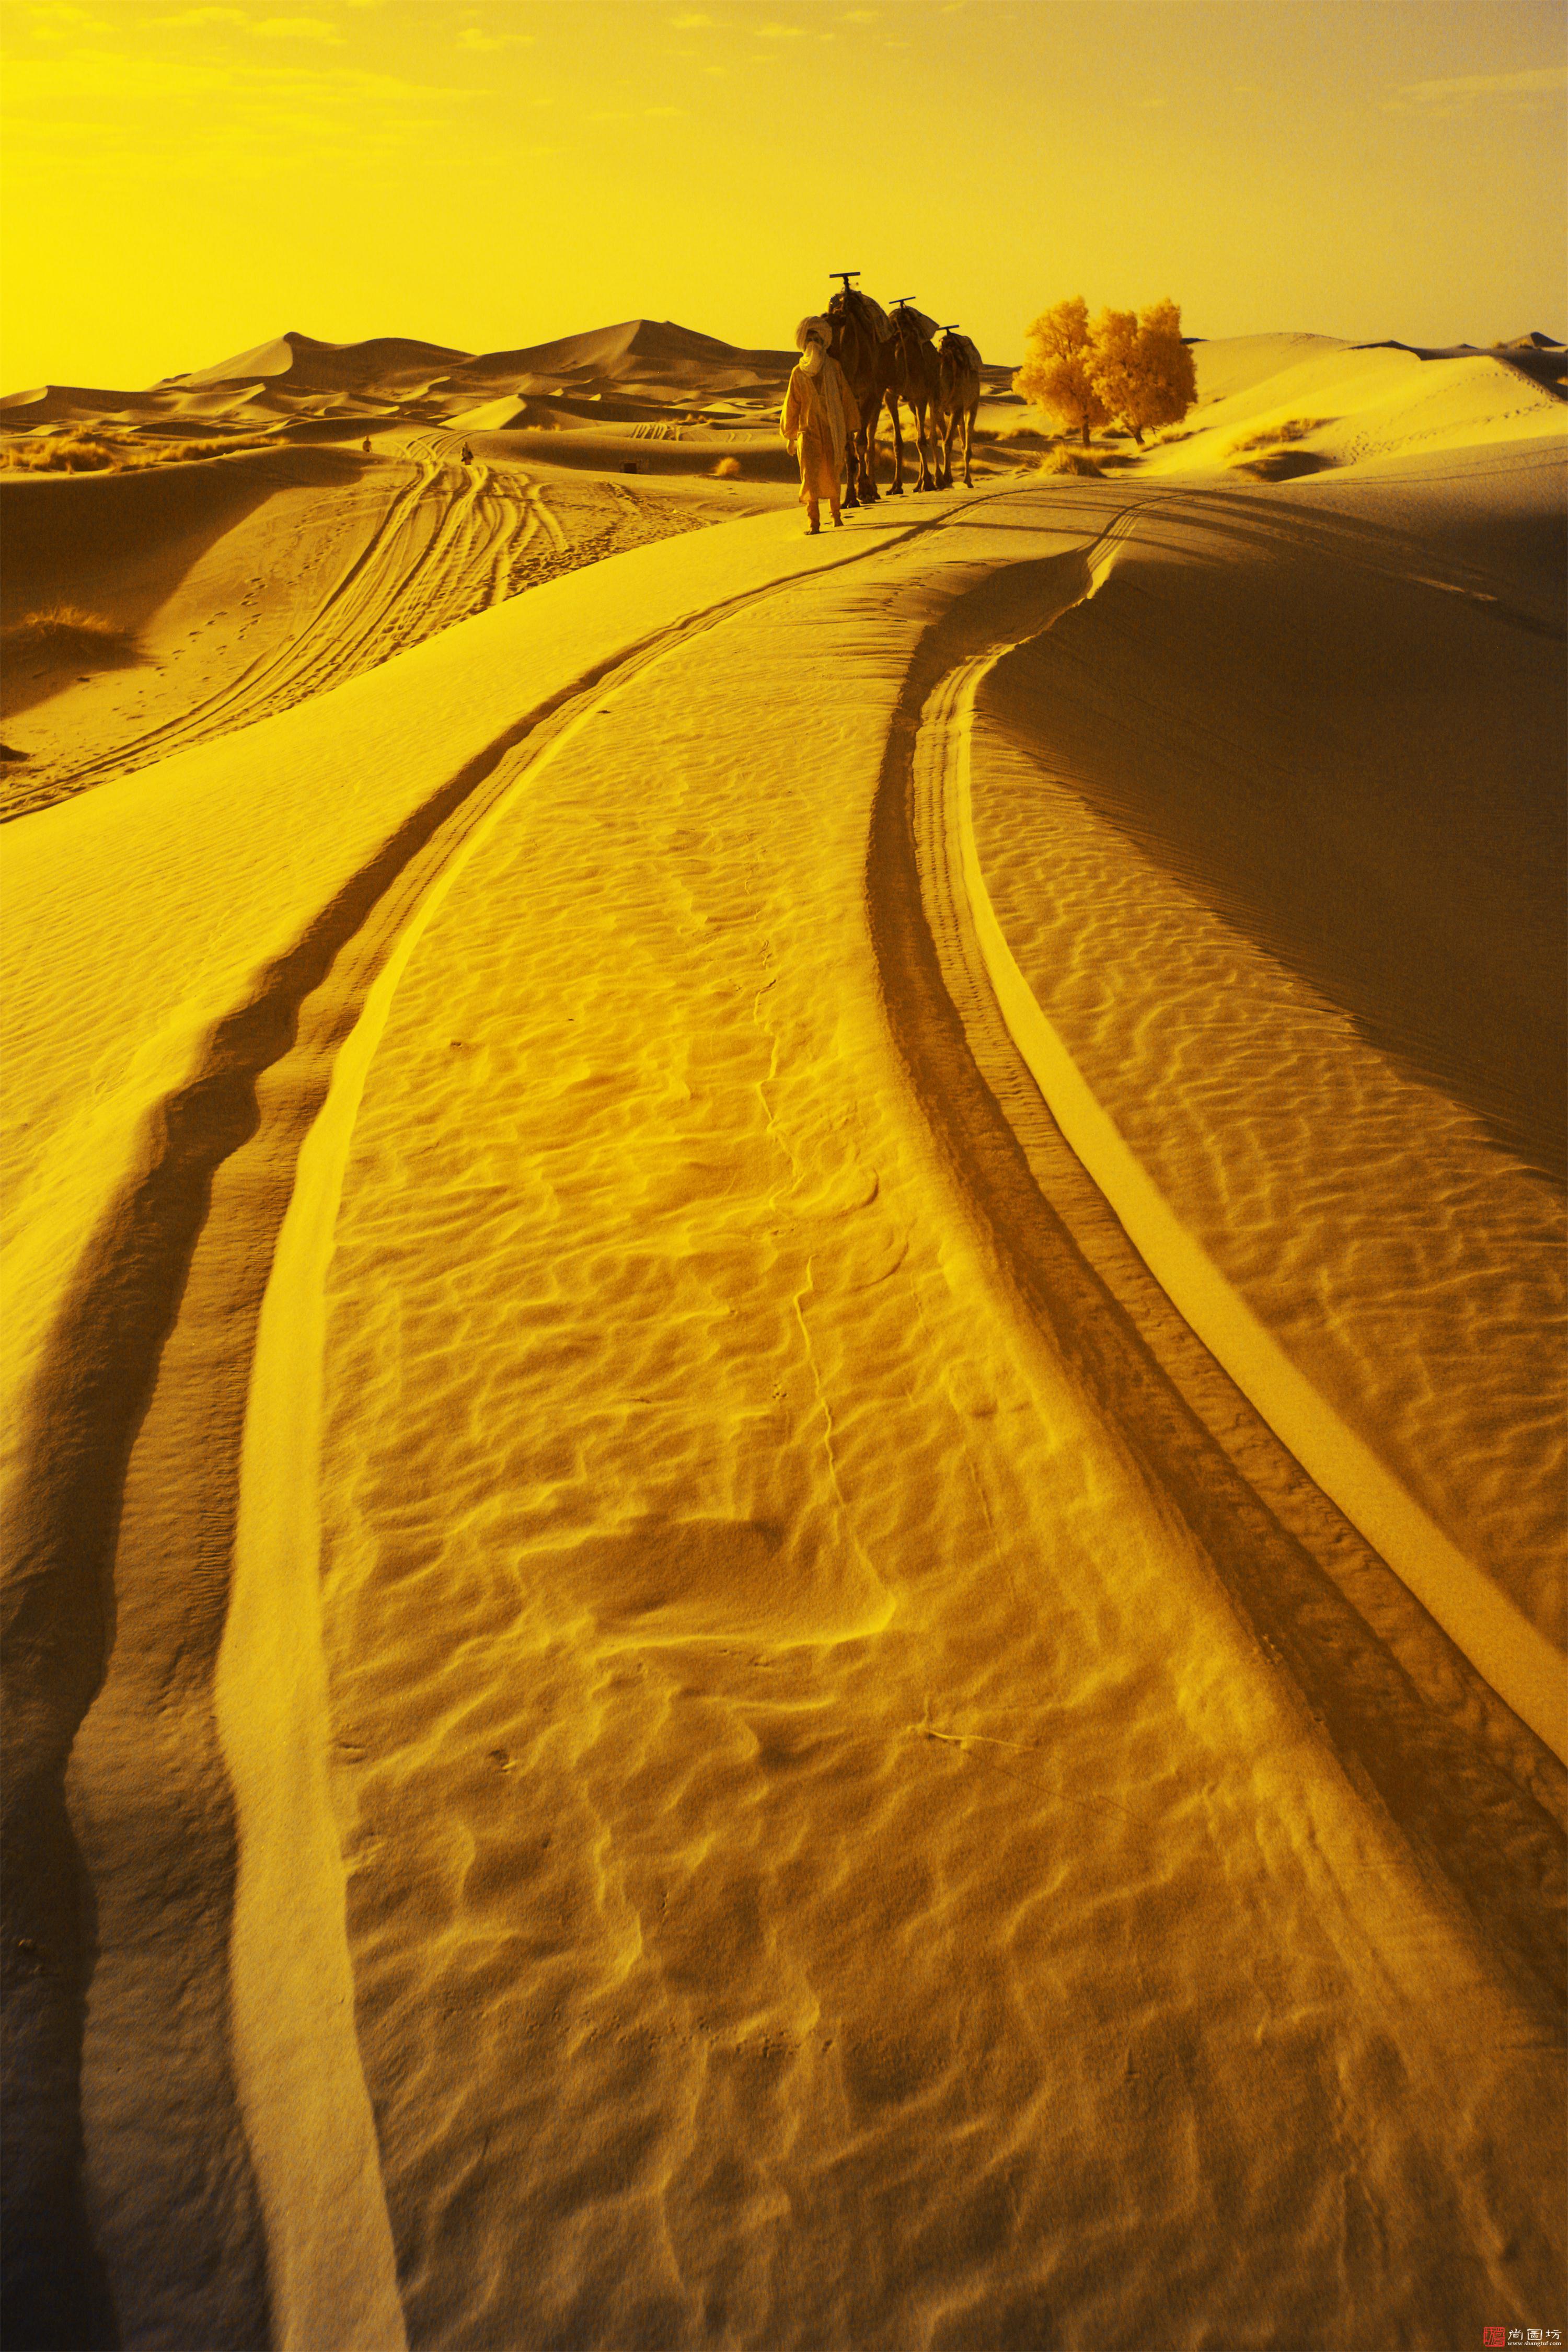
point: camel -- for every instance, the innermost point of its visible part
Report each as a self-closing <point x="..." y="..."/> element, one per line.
<point x="960" y="364"/>
<point x="866" y="362"/>
<point x="917" y="379"/>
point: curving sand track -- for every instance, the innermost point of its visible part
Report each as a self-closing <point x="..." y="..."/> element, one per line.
<point x="694" y="1714"/>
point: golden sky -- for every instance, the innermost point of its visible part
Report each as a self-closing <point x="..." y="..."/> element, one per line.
<point x="184" y="178"/>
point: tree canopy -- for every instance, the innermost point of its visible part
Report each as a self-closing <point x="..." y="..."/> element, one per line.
<point x="1058" y="368"/>
<point x="1134" y="369"/>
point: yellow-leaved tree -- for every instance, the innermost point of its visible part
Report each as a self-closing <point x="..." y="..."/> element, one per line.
<point x="1059" y="368"/>
<point x="1142" y="369"/>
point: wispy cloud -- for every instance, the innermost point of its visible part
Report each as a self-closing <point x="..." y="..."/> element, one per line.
<point x="471" y="37"/>
<point x="779" y="31"/>
<point x="1460" y="93"/>
<point x="694" y="24"/>
<point x="634" y="113"/>
<point x="190" y="18"/>
<point x="54" y="20"/>
<point x="179" y="116"/>
<point x="298" y="29"/>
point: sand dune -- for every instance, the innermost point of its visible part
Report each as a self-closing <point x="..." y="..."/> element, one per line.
<point x="637" y="370"/>
<point x="312" y="366"/>
<point x="1334" y="404"/>
<point x="659" y="1691"/>
<point x="295" y="374"/>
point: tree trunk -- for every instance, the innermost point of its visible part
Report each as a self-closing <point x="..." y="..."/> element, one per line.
<point x="1084" y="425"/>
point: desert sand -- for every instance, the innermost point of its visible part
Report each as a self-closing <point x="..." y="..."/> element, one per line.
<point x="783" y="1368"/>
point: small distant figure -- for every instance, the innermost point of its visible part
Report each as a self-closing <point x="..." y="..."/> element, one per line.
<point x="365" y="444"/>
<point x="467" y="454"/>
<point x="820" y="417"/>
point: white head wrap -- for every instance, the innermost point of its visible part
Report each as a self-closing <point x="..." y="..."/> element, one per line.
<point x="822" y="383"/>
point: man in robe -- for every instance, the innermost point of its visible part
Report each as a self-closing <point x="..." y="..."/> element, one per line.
<point x="819" y="416"/>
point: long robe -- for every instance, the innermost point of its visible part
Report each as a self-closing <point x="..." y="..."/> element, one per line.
<point x="815" y="434"/>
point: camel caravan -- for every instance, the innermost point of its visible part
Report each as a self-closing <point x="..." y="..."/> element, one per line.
<point x="884" y="360"/>
<point x="893" y="361"/>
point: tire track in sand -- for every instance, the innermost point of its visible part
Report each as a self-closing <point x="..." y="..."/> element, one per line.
<point x="251" y="693"/>
<point x="214" y="2107"/>
<point x="1475" y="1793"/>
<point x="442" y="550"/>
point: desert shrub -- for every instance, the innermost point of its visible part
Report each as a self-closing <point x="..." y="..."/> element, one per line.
<point x="1058" y="368"/>
<point x="33" y="627"/>
<point x="1142" y="369"/>
<point x="216" y="446"/>
<point x="726" y="470"/>
<point x="1274" y="436"/>
<point x="75" y="453"/>
<point x="61" y="453"/>
<point x="1072" y="461"/>
<point x="63" y="629"/>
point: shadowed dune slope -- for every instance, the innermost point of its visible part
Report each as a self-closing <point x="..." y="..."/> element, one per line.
<point x="1380" y="805"/>
<point x="121" y="542"/>
<point x="1272" y="829"/>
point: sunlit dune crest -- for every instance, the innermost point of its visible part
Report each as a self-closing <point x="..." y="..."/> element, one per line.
<point x="784" y="1423"/>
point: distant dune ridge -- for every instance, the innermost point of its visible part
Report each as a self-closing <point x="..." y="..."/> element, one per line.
<point x="784" y="1377"/>
<point x="296" y="376"/>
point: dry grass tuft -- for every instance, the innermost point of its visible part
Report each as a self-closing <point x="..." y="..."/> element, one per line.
<point x="62" y="638"/>
<point x="74" y="452"/>
<point x="726" y="470"/>
<point x="1072" y="461"/>
<point x="218" y="445"/>
<point x="61" y="453"/>
<point x="1275" y="437"/>
<point x="59" y="621"/>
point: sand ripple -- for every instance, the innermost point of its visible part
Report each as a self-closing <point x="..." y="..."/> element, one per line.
<point x="1409" y="1265"/>
<point x="828" y="1868"/>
